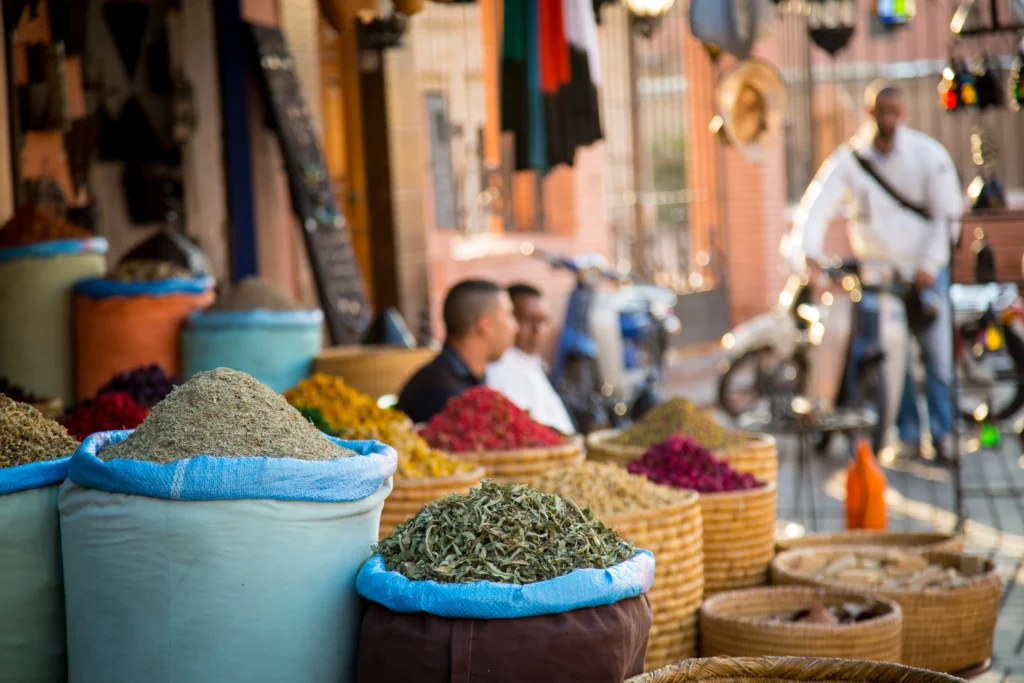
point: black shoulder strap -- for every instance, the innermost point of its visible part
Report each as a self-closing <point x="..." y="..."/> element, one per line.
<point x="870" y="170"/>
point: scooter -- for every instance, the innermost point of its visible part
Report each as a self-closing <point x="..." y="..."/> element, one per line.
<point x="828" y="346"/>
<point x="610" y="355"/>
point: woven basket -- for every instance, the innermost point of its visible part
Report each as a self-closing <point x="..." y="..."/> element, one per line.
<point x="887" y="539"/>
<point x="735" y="624"/>
<point x="759" y="457"/>
<point x="777" y="669"/>
<point x="513" y="467"/>
<point x="374" y="370"/>
<point x="943" y="629"/>
<point x="739" y="538"/>
<point x="674" y="535"/>
<point x="409" y="495"/>
<point x="52" y="408"/>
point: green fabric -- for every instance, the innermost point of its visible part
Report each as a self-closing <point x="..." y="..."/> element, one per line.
<point x="32" y="647"/>
<point x="513" y="44"/>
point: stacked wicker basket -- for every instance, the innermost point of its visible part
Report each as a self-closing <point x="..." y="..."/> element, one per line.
<point x="758" y="457"/>
<point x="674" y="536"/>
<point x="881" y="539"/>
<point x="409" y="495"/>
<point x="738" y="624"/>
<point x="780" y="669"/>
<point x="513" y="467"/>
<point x="739" y="538"/>
<point x="943" y="629"/>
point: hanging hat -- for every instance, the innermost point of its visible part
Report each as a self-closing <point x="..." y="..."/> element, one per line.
<point x="730" y="26"/>
<point x="750" y="99"/>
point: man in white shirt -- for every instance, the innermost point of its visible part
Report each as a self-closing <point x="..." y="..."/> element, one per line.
<point x="908" y="227"/>
<point x="520" y="373"/>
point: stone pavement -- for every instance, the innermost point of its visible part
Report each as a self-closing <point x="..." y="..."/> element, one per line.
<point x="920" y="497"/>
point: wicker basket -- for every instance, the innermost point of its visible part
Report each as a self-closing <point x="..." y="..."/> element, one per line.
<point x="759" y="457"/>
<point x="373" y="370"/>
<point x="735" y="624"/>
<point x="409" y="495"/>
<point x="673" y="534"/>
<point x="513" y="467"/>
<point x="739" y="538"/>
<point x="887" y="539"/>
<point x="943" y="629"/>
<point x="778" y="669"/>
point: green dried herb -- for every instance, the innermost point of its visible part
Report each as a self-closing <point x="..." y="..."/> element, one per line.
<point x="507" y="534"/>
<point x="27" y="436"/>
<point x="224" y="413"/>
<point x="680" y="417"/>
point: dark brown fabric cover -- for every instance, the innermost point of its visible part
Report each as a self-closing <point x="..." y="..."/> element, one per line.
<point x="594" y="645"/>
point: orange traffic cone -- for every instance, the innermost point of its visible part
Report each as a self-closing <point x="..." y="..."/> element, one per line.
<point x="865" y="491"/>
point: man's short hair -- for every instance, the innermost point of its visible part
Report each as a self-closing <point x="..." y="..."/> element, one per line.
<point x="880" y="88"/>
<point x="466" y="303"/>
<point x="523" y="289"/>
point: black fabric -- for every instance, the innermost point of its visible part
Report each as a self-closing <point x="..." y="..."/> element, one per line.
<point x="584" y="112"/>
<point x="603" y="644"/>
<point x="906" y="204"/>
<point x="515" y="113"/>
<point x="443" y="378"/>
<point x="556" y="110"/>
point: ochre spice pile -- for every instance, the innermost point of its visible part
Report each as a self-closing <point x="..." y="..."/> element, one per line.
<point x="482" y="419"/>
<point x="679" y="417"/>
<point x="26" y="436"/>
<point x="31" y="224"/>
<point x="339" y="410"/>
<point x="607" y="489"/>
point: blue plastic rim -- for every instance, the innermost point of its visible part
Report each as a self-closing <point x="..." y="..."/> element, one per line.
<point x="207" y="477"/>
<point x="102" y="288"/>
<point x="260" y="317"/>
<point x="89" y="245"/>
<point x="34" y="475"/>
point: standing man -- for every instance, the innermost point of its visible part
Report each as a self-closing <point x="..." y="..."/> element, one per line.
<point x="479" y="328"/>
<point x="520" y="373"/>
<point x="908" y="206"/>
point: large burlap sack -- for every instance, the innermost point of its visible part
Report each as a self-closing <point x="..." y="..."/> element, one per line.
<point x="591" y="626"/>
<point x="211" y="569"/>
<point x="275" y="347"/>
<point x="124" y="325"/>
<point x="32" y="646"/>
<point x="36" y="340"/>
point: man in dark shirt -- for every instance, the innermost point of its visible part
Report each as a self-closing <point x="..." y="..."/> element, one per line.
<point x="480" y="326"/>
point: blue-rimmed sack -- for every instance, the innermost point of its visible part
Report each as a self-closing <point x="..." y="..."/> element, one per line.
<point x="275" y="347"/>
<point x="590" y="625"/>
<point x="32" y="643"/>
<point x="36" y="339"/>
<point x="121" y="326"/>
<point x="213" y="569"/>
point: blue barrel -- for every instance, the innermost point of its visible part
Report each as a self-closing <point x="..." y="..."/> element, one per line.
<point x="275" y="347"/>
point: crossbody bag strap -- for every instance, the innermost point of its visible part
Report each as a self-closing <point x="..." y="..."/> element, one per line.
<point x="869" y="168"/>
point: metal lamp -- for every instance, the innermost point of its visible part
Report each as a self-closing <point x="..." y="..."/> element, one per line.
<point x="646" y="15"/>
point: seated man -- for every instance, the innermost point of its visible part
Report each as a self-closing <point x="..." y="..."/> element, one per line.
<point x="520" y="373"/>
<point x="479" y="327"/>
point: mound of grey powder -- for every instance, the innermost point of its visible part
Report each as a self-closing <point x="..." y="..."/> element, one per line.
<point x="251" y="293"/>
<point x="224" y="413"/>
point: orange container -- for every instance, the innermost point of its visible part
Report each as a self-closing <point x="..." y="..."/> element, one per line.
<point x="865" y="491"/>
<point x="120" y="326"/>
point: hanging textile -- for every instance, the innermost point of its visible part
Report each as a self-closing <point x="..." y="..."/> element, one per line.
<point x="584" y="122"/>
<point x="555" y="80"/>
<point x="515" y="106"/>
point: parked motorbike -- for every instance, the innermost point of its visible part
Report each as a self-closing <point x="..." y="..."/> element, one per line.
<point x="610" y="355"/>
<point x="803" y="346"/>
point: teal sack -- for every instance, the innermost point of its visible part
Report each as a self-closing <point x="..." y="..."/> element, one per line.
<point x="32" y="647"/>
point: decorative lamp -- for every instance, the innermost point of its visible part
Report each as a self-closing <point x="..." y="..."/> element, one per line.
<point x="645" y="15"/>
<point x="949" y="87"/>
<point x="831" y="23"/>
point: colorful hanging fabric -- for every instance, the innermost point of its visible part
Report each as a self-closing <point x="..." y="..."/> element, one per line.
<point x="515" y="105"/>
<point x="585" y="69"/>
<point x="555" y="78"/>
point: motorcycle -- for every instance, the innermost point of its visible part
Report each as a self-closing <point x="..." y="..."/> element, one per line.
<point x="610" y="355"/>
<point x="827" y="347"/>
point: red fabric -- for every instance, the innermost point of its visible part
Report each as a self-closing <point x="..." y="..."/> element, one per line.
<point x="554" y="47"/>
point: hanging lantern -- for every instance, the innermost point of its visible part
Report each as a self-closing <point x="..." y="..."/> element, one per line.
<point x="986" y="191"/>
<point x="896" y="12"/>
<point x="831" y="23"/>
<point x="986" y="83"/>
<point x="1015" y="83"/>
<point x="645" y="15"/>
<point x="957" y="88"/>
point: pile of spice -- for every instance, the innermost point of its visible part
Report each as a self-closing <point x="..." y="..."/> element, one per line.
<point x="106" y="412"/>
<point x="686" y="464"/>
<point x="147" y="270"/>
<point x="606" y="488"/>
<point x="507" y="534"/>
<point x="31" y="224"/>
<point x="252" y="293"/>
<point x="26" y="436"/>
<point x="147" y="385"/>
<point x="16" y="393"/>
<point x="481" y="419"/>
<point x="679" y="417"/>
<point x="224" y="413"/>
<point x="893" y="570"/>
<point x="833" y="615"/>
<point x="339" y="410"/>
